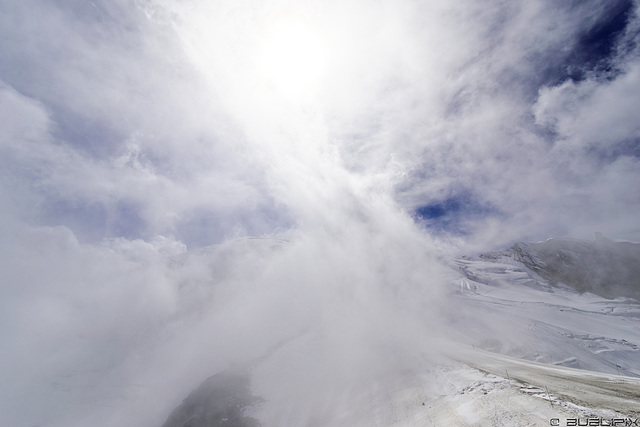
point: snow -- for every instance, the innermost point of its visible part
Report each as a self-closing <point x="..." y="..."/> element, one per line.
<point x="502" y="306"/>
<point x="592" y="389"/>
<point x="454" y="393"/>
<point x="519" y="351"/>
<point x="509" y="309"/>
<point x="510" y="350"/>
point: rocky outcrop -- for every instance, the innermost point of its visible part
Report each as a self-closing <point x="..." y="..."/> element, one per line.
<point x="220" y="401"/>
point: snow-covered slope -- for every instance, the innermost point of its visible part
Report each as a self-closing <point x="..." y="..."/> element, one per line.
<point x="512" y="337"/>
<point x="510" y="307"/>
<point x="471" y="387"/>
<point x="603" y="267"/>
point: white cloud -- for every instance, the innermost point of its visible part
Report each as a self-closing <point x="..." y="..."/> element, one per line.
<point x="593" y="113"/>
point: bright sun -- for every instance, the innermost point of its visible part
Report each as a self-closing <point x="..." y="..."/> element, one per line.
<point x="292" y="60"/>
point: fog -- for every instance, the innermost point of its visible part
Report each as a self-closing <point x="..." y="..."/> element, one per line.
<point x="119" y="333"/>
<point x="188" y="186"/>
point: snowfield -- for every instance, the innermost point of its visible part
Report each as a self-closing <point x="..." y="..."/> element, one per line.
<point x="601" y="394"/>
<point x="497" y="345"/>
<point x="509" y="309"/>
<point x="470" y="391"/>
<point x="519" y="351"/>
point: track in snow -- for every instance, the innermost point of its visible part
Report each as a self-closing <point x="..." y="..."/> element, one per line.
<point x="590" y="389"/>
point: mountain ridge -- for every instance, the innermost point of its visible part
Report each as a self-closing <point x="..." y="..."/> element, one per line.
<point x="603" y="267"/>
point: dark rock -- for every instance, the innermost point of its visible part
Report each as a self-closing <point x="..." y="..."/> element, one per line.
<point x="220" y="401"/>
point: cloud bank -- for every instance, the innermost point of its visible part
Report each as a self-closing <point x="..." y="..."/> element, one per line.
<point x="135" y="134"/>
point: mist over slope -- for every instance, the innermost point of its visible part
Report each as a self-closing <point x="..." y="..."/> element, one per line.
<point x="498" y="315"/>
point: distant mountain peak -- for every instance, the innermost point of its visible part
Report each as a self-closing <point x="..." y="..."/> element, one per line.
<point x="603" y="267"/>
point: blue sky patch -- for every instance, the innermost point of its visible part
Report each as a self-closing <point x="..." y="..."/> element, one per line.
<point x="453" y="214"/>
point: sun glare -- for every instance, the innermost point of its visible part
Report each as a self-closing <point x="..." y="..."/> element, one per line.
<point x="292" y="60"/>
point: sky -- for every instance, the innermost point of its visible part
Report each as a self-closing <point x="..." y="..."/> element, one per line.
<point x="368" y="138"/>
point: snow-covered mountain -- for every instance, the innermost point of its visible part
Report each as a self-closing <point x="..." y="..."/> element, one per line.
<point x="532" y="301"/>
<point x="539" y="333"/>
<point x="602" y="267"/>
